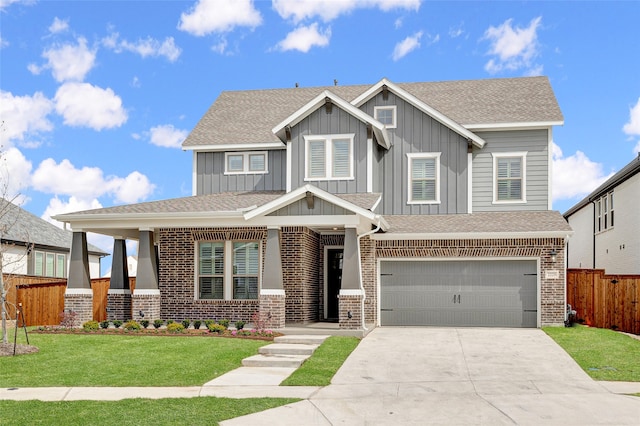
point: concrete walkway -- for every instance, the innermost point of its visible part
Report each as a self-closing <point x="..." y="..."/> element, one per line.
<point x="417" y="376"/>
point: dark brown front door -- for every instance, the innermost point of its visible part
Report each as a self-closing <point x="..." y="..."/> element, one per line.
<point x="334" y="280"/>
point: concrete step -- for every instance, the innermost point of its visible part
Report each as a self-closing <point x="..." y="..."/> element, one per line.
<point x="292" y="361"/>
<point x="301" y="339"/>
<point x="287" y="349"/>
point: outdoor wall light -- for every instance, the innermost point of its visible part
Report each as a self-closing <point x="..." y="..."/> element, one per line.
<point x="554" y="255"/>
<point x="349" y="314"/>
<point x="141" y="314"/>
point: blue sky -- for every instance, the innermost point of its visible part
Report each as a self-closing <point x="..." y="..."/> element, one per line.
<point x="96" y="96"/>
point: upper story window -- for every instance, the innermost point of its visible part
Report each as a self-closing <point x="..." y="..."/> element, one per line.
<point x="329" y="157"/>
<point x="386" y="115"/>
<point x="424" y="178"/>
<point x="48" y="264"/>
<point x="509" y="177"/>
<point x="605" y="217"/>
<point x="245" y="162"/>
<point x="228" y="270"/>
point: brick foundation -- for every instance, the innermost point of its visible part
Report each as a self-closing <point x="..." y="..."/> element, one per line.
<point x="272" y="310"/>
<point x="119" y="305"/>
<point x="80" y="302"/>
<point x="350" y="304"/>
<point x="149" y="304"/>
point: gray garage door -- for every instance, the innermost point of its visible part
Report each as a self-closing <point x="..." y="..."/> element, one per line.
<point x="459" y="293"/>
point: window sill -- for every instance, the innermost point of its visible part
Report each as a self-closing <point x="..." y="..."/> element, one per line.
<point x="327" y="179"/>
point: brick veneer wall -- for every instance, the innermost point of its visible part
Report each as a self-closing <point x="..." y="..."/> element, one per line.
<point x="272" y="310"/>
<point x="118" y="306"/>
<point x="148" y="304"/>
<point x="81" y="304"/>
<point x="351" y="304"/>
<point x="300" y="269"/>
<point x="369" y="268"/>
<point x="177" y="274"/>
<point x="552" y="290"/>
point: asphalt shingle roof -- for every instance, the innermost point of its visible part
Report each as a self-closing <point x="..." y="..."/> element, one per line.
<point x="243" y="117"/>
<point x="484" y="222"/>
<point x="20" y="226"/>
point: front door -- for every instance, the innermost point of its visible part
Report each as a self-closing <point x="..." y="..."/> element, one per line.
<point x="333" y="264"/>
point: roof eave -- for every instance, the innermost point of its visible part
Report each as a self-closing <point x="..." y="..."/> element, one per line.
<point x="523" y="125"/>
<point x="236" y="147"/>
<point x="470" y="235"/>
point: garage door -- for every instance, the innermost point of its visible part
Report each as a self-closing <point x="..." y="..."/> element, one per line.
<point x="459" y="293"/>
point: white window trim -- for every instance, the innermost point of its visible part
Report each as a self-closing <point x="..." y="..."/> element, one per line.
<point x="411" y="157"/>
<point x="393" y="108"/>
<point x="228" y="268"/>
<point x="328" y="152"/>
<point x="245" y="162"/>
<point x="494" y="182"/>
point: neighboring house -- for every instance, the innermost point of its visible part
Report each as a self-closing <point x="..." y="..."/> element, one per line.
<point x="607" y="225"/>
<point x="383" y="204"/>
<point x="33" y="246"/>
<point x="132" y="267"/>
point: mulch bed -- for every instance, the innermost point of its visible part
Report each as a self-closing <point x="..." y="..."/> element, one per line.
<point x="150" y="332"/>
<point x="6" y="349"/>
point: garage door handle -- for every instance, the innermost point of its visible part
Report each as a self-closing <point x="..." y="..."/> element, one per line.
<point x="456" y="298"/>
<point x="386" y="310"/>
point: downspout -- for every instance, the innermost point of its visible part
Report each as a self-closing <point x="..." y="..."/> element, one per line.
<point x="364" y="294"/>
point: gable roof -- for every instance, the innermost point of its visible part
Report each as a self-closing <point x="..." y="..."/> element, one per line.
<point x="247" y="117"/>
<point x="379" y="129"/>
<point x="22" y="227"/>
<point x="631" y="169"/>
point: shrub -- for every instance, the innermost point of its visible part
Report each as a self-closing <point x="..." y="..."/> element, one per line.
<point x="224" y="323"/>
<point x="259" y="321"/>
<point x="186" y="323"/>
<point x="208" y="322"/>
<point x="216" y="328"/>
<point x="175" y="328"/>
<point x="132" y="325"/>
<point x="104" y="324"/>
<point x="144" y="323"/>
<point x="157" y="323"/>
<point x="117" y="323"/>
<point x="91" y="325"/>
<point x="197" y="324"/>
<point x="239" y="325"/>
<point x="170" y="322"/>
<point x="68" y="319"/>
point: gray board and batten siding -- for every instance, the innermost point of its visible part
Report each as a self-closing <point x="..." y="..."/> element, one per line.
<point x="338" y="122"/>
<point x="417" y="132"/>
<point x="320" y="208"/>
<point x="536" y="144"/>
<point x="212" y="180"/>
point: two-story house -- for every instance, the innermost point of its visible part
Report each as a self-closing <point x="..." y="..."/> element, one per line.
<point x="384" y="204"/>
<point x="607" y="225"/>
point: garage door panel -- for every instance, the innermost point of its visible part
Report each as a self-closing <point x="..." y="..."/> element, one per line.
<point x="459" y="293"/>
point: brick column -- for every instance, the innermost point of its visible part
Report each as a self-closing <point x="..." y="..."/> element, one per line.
<point x="350" y="306"/>
<point x="78" y="297"/>
<point x="272" y="296"/>
<point x="272" y="308"/>
<point x="147" y="302"/>
<point x="119" y="295"/>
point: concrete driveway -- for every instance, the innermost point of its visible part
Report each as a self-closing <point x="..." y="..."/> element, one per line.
<point x="457" y="376"/>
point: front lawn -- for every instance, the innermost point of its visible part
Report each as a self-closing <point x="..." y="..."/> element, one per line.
<point x="124" y="360"/>
<point x="603" y="354"/>
<point x="178" y="411"/>
<point x="319" y="369"/>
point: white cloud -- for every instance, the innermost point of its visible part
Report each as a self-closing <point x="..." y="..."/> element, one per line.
<point x="70" y="62"/>
<point x="58" y="25"/>
<point x="15" y="173"/>
<point x="23" y="117"/>
<point x="513" y="48"/>
<point x="633" y="126"/>
<point x="89" y="183"/>
<point x="406" y="46"/>
<point x="219" y="16"/>
<point x="167" y="136"/>
<point x="81" y="104"/>
<point x="6" y="3"/>
<point x="3" y="43"/>
<point x="636" y="149"/>
<point x="220" y="47"/>
<point x="304" y="38"/>
<point x="575" y="176"/>
<point x="328" y="10"/>
<point x="457" y="31"/>
<point x="144" y="47"/>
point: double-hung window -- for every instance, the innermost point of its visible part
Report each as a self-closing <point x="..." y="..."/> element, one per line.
<point x="424" y="178"/>
<point x="386" y="115"/>
<point x="245" y="162"/>
<point x="329" y="157"/>
<point x="49" y="264"/>
<point x="509" y="177"/>
<point x="605" y="218"/>
<point x="228" y="270"/>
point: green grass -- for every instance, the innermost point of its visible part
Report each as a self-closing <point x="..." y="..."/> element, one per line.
<point x="603" y="354"/>
<point x="179" y="411"/>
<point x="323" y="364"/>
<point x="117" y="360"/>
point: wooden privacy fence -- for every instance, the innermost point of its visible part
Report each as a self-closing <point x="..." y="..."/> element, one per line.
<point x="605" y="301"/>
<point x="43" y="299"/>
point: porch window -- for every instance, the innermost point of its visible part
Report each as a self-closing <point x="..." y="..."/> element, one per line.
<point x="424" y="172"/>
<point x="329" y="157"/>
<point x="386" y="115"/>
<point x="509" y="177"/>
<point x="245" y="162"/>
<point x="228" y="270"/>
